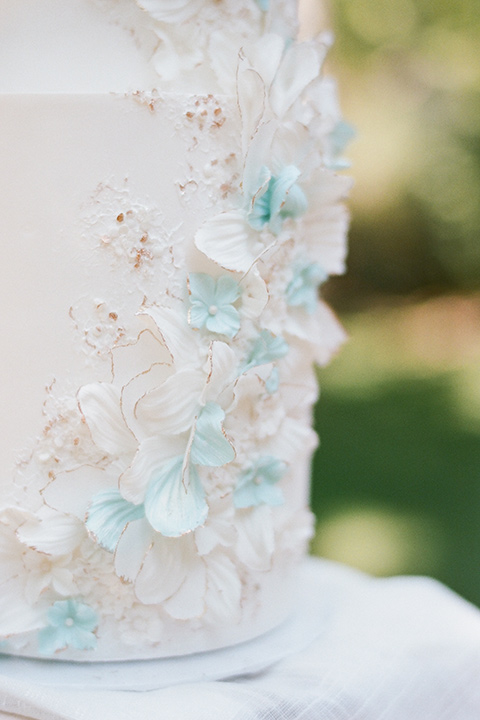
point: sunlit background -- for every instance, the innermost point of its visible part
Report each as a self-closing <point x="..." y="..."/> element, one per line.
<point x="397" y="478"/>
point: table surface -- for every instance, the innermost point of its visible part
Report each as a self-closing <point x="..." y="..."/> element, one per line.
<point x="402" y="648"/>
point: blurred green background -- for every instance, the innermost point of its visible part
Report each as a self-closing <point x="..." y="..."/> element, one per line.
<point x="396" y="484"/>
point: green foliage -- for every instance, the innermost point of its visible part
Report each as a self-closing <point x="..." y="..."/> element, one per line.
<point x="410" y="75"/>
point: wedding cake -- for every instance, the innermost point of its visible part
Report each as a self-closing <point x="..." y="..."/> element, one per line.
<point x="171" y="204"/>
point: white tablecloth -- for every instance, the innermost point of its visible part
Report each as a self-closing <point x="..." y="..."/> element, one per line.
<point x="401" y="648"/>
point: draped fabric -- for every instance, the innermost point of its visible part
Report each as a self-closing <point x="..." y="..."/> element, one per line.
<point x="391" y="649"/>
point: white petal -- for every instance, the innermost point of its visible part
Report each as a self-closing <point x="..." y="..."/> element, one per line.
<point x="327" y="188"/>
<point x="175" y="332"/>
<point x="322" y="331"/>
<point x="101" y="407"/>
<point x="164" y="569"/>
<point x="16" y="615"/>
<point x="300" y="65"/>
<point x="293" y="439"/>
<point x="171" y="408"/>
<point x="134" y="390"/>
<point x="251" y="95"/>
<point x="254" y="295"/>
<point x="326" y="229"/>
<point x="223" y="57"/>
<point x="11" y="550"/>
<point x="132" y="549"/>
<point x="71" y="492"/>
<point x="189" y="600"/>
<point x="228" y="240"/>
<point x="256" y="541"/>
<point x="146" y="351"/>
<point x="223" y="364"/>
<point x="63" y="583"/>
<point x="151" y="456"/>
<point x="265" y="55"/>
<point x="223" y="599"/>
<point x="171" y="11"/>
<point x="57" y="535"/>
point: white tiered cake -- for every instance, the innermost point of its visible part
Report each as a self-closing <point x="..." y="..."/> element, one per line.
<point x="170" y="206"/>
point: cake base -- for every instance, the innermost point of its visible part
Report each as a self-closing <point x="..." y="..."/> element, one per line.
<point x="304" y="625"/>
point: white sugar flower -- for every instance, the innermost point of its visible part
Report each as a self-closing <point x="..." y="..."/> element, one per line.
<point x="171" y="11"/>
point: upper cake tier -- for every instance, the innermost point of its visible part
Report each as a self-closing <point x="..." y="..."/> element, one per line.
<point x="94" y="46"/>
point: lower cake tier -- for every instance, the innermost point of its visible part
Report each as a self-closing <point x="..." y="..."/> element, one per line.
<point x="157" y="380"/>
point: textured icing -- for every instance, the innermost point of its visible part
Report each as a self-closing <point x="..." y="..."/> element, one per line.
<point x="169" y="248"/>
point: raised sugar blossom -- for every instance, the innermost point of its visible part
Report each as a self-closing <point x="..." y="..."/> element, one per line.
<point x="70" y="624"/>
<point x="281" y="198"/>
<point x="302" y="290"/>
<point x="266" y="348"/>
<point x="171" y="11"/>
<point x="258" y="484"/>
<point x="212" y="304"/>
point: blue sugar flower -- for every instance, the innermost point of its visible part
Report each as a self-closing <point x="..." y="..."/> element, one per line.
<point x="211" y="304"/>
<point x="70" y="624"/>
<point x="257" y="485"/>
<point x="266" y="348"/>
<point x="282" y="198"/>
<point x="302" y="290"/>
<point x="263" y="4"/>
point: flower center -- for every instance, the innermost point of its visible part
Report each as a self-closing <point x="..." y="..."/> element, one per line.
<point x="69" y="622"/>
<point x="212" y="310"/>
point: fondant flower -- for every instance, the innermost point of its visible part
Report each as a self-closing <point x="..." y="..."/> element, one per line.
<point x="302" y="290"/>
<point x="35" y="555"/>
<point x="279" y="199"/>
<point x="171" y="11"/>
<point x="70" y="624"/>
<point x="257" y="484"/>
<point x="212" y="304"/>
<point x="265" y="349"/>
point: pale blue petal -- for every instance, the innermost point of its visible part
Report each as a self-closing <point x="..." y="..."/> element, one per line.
<point x="198" y="314"/>
<point x="202" y="287"/>
<point x="81" y="639"/>
<point x="302" y="291"/>
<point x="171" y="508"/>
<point x="295" y="204"/>
<point x="226" y="321"/>
<point x="273" y="382"/>
<point x="282" y="199"/>
<point x="260" y="214"/>
<point x="263" y="5"/>
<point x="227" y="291"/>
<point x="108" y="516"/>
<point x="270" y="469"/>
<point x="256" y="485"/>
<point x="210" y="447"/>
<point x="266" y="348"/>
<point x="85" y="617"/>
<point x="51" y="639"/>
<point x="281" y="186"/>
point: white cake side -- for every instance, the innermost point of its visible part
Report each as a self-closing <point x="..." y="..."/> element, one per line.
<point x="162" y="258"/>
